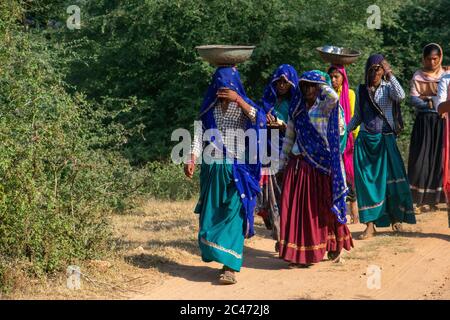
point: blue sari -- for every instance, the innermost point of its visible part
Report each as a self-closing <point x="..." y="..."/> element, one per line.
<point x="246" y="174"/>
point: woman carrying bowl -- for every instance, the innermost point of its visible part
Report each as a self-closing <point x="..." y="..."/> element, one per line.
<point x="275" y="102"/>
<point x="230" y="174"/>
<point x="347" y="99"/>
<point x="383" y="193"/>
<point x="313" y="209"/>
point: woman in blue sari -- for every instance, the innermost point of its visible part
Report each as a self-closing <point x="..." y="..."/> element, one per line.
<point x="275" y="102"/>
<point x="229" y="174"/>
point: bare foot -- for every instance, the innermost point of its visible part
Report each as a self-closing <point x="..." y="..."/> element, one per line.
<point x="298" y="265"/>
<point x="434" y="207"/>
<point x="417" y="211"/>
<point x="369" y="232"/>
<point x="354" y="212"/>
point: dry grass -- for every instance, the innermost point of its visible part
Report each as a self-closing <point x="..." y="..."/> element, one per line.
<point x="148" y="240"/>
<point x="97" y="282"/>
<point x="371" y="249"/>
<point x="160" y="232"/>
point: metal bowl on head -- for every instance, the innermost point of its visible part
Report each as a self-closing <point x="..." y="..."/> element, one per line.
<point x="225" y="55"/>
<point x="338" y="55"/>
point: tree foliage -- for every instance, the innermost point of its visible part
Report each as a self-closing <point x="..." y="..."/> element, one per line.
<point x="78" y="106"/>
<point x="141" y="53"/>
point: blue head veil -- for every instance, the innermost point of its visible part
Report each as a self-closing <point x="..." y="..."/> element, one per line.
<point x="269" y="98"/>
<point x="270" y="92"/>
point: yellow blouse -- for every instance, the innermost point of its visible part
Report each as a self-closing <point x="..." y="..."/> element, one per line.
<point x="352" y="98"/>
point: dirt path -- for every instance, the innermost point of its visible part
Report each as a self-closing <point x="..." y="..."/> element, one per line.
<point x="415" y="265"/>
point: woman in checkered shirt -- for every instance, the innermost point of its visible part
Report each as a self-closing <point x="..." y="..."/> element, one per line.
<point x="382" y="187"/>
<point x="228" y="177"/>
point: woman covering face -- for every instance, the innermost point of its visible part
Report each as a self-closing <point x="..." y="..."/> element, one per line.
<point x="228" y="179"/>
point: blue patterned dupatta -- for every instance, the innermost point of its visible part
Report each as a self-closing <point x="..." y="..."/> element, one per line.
<point x="314" y="148"/>
<point x="270" y="96"/>
<point x="246" y="173"/>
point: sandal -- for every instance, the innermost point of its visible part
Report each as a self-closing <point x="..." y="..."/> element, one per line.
<point x="417" y="211"/>
<point x="334" y="256"/>
<point x="293" y="265"/>
<point x="397" y="227"/>
<point x="227" y="277"/>
<point x="435" y="208"/>
<point x="277" y="246"/>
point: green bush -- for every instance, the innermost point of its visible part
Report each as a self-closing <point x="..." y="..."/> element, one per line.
<point x="61" y="174"/>
<point x="146" y="50"/>
<point x="57" y="183"/>
<point x="167" y="181"/>
<point x="51" y="202"/>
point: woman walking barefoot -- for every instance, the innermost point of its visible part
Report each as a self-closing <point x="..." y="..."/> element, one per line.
<point x="347" y="99"/>
<point x="383" y="193"/>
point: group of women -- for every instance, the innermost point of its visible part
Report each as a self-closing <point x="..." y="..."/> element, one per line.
<point x="335" y="146"/>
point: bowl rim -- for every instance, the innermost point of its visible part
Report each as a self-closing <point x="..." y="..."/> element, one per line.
<point x="356" y="53"/>
<point x="224" y="46"/>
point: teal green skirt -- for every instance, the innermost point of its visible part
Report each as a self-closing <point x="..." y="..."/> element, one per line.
<point x="382" y="187"/>
<point x="221" y="234"/>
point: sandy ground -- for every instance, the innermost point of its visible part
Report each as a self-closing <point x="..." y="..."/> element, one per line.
<point x="157" y="257"/>
<point x="414" y="265"/>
